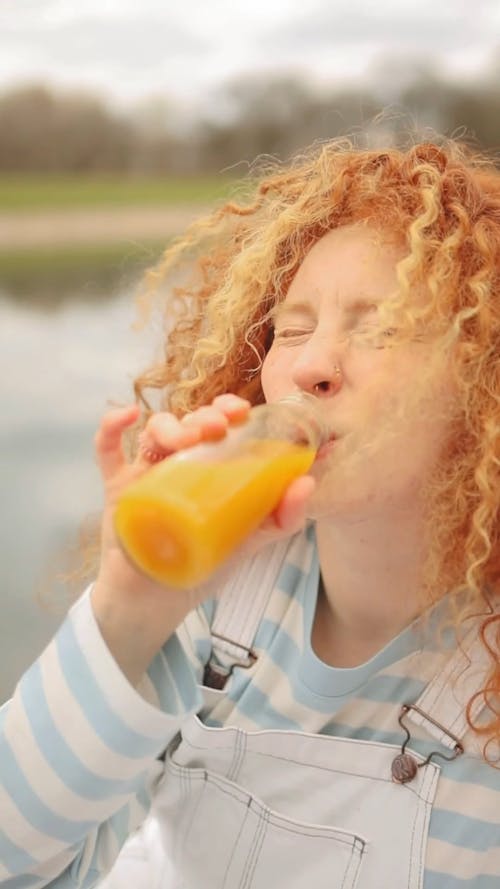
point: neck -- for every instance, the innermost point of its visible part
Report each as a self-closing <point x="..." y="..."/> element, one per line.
<point x="371" y="584"/>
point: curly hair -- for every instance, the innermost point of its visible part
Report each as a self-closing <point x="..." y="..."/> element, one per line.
<point x="442" y="203"/>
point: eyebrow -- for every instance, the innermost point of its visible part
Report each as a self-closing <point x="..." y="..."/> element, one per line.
<point x="361" y="307"/>
<point x="282" y="309"/>
<point x="355" y="309"/>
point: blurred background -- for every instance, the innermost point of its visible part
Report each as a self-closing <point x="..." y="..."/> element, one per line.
<point x="119" y="123"/>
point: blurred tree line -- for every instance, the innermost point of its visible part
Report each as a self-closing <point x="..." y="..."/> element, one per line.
<point x="53" y="132"/>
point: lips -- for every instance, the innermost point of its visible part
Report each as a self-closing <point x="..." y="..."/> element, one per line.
<point x="326" y="448"/>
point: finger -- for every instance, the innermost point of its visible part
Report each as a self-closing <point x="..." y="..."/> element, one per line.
<point x="163" y="435"/>
<point x="234" y="407"/>
<point x="288" y="518"/>
<point x="291" y="513"/>
<point x="108" y="439"/>
<point x="211" y="422"/>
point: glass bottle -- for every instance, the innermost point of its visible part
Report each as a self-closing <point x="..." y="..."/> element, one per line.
<point x="188" y="513"/>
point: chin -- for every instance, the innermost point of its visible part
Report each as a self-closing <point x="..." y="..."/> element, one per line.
<point x="338" y="496"/>
<point x="325" y="505"/>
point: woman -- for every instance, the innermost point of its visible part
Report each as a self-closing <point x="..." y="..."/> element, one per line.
<point x="346" y="734"/>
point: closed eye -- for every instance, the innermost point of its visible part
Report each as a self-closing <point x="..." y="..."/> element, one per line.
<point x="372" y="335"/>
<point x="290" y="333"/>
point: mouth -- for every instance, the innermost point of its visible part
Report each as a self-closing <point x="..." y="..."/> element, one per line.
<point x="326" y="448"/>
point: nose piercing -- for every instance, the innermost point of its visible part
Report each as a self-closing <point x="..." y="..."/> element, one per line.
<point x="321" y="387"/>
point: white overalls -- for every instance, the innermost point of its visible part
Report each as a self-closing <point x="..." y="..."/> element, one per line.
<point x="274" y="808"/>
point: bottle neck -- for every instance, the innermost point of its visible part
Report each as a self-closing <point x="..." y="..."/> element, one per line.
<point x="296" y="418"/>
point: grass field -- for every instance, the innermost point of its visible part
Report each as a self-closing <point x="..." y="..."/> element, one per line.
<point x="69" y="265"/>
<point x="38" y="193"/>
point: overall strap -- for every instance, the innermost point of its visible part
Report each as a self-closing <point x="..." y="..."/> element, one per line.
<point x="441" y="708"/>
<point x="239" y="611"/>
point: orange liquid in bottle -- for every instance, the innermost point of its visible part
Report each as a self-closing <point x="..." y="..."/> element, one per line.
<point x="182" y="519"/>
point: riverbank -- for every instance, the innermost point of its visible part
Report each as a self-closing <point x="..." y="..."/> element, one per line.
<point x="109" y="225"/>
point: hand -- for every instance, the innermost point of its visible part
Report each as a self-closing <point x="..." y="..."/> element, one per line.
<point x="125" y="601"/>
<point x="162" y="437"/>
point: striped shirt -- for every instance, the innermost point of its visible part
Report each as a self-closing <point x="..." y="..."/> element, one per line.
<point x="80" y="748"/>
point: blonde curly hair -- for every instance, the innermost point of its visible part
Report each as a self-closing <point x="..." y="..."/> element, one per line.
<point x="442" y="202"/>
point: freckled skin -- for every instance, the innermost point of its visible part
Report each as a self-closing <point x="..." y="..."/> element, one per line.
<point x="315" y="331"/>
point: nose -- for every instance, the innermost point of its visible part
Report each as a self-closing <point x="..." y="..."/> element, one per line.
<point x="318" y="368"/>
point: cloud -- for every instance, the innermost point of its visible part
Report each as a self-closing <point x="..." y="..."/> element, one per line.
<point x="26" y="10"/>
<point x="125" y="42"/>
<point x="429" y="27"/>
<point x="128" y="49"/>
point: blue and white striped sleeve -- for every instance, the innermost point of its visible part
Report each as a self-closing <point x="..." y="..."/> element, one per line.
<point x="79" y="750"/>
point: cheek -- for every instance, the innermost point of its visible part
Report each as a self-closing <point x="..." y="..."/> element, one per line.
<point x="272" y="375"/>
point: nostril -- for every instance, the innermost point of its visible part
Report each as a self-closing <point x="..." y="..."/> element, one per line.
<point x="324" y="386"/>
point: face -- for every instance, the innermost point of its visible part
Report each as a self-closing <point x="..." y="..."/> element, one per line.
<point x="391" y="413"/>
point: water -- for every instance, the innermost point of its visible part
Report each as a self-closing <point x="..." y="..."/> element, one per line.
<point x="60" y="368"/>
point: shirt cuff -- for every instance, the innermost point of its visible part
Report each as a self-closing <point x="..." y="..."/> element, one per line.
<point x="158" y="707"/>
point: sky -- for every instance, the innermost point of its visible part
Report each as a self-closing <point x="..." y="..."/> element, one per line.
<point x="127" y="50"/>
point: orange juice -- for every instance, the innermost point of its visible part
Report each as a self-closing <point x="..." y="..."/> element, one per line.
<point x="182" y="519"/>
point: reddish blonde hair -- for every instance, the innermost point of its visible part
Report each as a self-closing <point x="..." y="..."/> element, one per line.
<point x="443" y="204"/>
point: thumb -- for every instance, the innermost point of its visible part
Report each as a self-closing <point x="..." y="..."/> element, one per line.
<point x="108" y="440"/>
<point x="291" y="513"/>
<point x="288" y="518"/>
